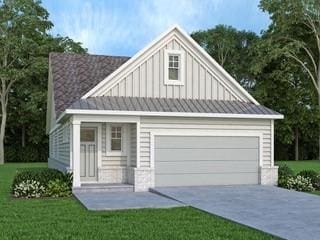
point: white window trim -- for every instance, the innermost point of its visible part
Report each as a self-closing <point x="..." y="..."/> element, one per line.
<point x="123" y="151"/>
<point x="181" y="75"/>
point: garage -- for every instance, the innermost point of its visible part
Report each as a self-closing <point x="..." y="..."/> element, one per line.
<point x="206" y="160"/>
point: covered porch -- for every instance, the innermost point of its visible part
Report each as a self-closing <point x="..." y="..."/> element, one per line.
<point x="105" y="150"/>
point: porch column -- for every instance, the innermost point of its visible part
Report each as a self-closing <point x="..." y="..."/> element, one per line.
<point x="76" y="152"/>
<point x="138" y="145"/>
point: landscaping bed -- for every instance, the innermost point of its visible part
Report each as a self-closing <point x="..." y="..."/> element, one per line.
<point x="41" y="182"/>
<point x="300" y="175"/>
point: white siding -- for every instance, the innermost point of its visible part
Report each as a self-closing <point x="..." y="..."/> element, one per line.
<point x="59" y="146"/>
<point x="147" y="79"/>
<point x="148" y="124"/>
<point x="107" y="159"/>
<point x="133" y="144"/>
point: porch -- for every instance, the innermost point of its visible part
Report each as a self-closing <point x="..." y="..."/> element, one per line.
<point x="105" y="153"/>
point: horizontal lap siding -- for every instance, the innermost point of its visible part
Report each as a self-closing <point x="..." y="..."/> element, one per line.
<point x="149" y="124"/>
<point x="60" y="145"/>
<point x="133" y="143"/>
<point x="107" y="160"/>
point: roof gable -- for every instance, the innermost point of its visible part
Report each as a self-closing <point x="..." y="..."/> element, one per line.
<point x="119" y="81"/>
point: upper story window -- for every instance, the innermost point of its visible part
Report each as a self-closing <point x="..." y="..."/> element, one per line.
<point x="174" y="62"/>
<point x="174" y="67"/>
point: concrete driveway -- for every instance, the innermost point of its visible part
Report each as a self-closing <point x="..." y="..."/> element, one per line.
<point x="284" y="213"/>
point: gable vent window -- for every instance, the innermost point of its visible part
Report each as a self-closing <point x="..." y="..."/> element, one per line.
<point x="174" y="67"/>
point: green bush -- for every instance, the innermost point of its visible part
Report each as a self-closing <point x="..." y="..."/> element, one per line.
<point x="300" y="183"/>
<point x="284" y="173"/>
<point x="313" y="176"/>
<point x="28" y="189"/>
<point x="41" y="175"/>
<point x="58" y="188"/>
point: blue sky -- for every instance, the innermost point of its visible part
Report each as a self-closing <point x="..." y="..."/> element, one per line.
<point x="123" y="27"/>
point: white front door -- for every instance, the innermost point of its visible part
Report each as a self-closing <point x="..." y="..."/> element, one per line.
<point x="88" y="154"/>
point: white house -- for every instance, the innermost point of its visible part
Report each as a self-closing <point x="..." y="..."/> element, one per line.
<point x="168" y="116"/>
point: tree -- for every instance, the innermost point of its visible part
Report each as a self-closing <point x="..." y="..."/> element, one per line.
<point x="230" y="48"/>
<point x="296" y="25"/>
<point x="281" y="85"/>
<point x="22" y="23"/>
<point x="27" y="104"/>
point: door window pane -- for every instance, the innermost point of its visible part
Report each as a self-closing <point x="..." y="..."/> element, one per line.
<point x="87" y="135"/>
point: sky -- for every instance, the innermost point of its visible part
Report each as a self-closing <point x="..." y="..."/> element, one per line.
<point x="123" y="27"/>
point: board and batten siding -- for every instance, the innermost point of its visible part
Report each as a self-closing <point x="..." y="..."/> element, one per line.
<point x="59" y="145"/>
<point x="149" y="124"/>
<point x="200" y="82"/>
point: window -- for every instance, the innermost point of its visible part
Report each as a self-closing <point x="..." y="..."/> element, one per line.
<point x="174" y="67"/>
<point x="87" y="135"/>
<point x="116" y="135"/>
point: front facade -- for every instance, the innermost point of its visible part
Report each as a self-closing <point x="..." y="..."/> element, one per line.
<point x="169" y="116"/>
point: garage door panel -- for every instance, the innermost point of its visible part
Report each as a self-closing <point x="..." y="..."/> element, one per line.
<point x="205" y="154"/>
<point x="212" y="160"/>
<point x="205" y="179"/>
<point x="205" y="167"/>
<point x="205" y="142"/>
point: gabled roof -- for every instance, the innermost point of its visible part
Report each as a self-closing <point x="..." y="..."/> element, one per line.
<point x="143" y="106"/>
<point x="75" y="74"/>
<point x="117" y="75"/>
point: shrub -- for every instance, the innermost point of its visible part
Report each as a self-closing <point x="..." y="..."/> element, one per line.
<point x="313" y="176"/>
<point x="28" y="189"/>
<point x="58" y="188"/>
<point x="41" y="175"/>
<point x="300" y="183"/>
<point x="284" y="174"/>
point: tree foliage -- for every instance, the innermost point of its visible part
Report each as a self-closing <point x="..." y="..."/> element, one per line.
<point x="230" y="48"/>
<point x="24" y="48"/>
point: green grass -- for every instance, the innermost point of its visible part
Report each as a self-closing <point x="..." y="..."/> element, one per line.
<point x="298" y="166"/>
<point x="67" y="219"/>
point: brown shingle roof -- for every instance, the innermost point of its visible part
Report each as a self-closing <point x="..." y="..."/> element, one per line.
<point x="75" y="74"/>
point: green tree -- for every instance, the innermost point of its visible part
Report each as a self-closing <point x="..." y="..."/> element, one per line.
<point x="281" y="85"/>
<point x="22" y="24"/>
<point x="27" y="104"/>
<point x="295" y="28"/>
<point x="230" y="48"/>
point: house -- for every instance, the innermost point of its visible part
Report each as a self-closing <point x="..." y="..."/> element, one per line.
<point x="168" y="116"/>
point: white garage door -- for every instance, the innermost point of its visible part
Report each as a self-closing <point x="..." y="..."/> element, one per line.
<point x="206" y="160"/>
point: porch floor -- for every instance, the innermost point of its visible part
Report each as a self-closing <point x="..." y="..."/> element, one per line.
<point x="124" y="200"/>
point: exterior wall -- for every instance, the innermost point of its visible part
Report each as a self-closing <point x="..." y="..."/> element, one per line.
<point x="144" y="176"/>
<point x="148" y="124"/>
<point x="201" y="82"/>
<point x="59" y="148"/>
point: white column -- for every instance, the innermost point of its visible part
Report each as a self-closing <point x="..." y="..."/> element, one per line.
<point x="138" y="145"/>
<point x="76" y="153"/>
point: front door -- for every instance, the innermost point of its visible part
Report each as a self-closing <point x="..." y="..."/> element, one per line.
<point x="88" y="154"/>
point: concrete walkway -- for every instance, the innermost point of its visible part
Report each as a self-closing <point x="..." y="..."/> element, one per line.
<point x="124" y="200"/>
<point x="287" y="214"/>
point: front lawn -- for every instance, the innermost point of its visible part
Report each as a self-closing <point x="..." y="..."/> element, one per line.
<point x="298" y="166"/>
<point x="67" y="219"/>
